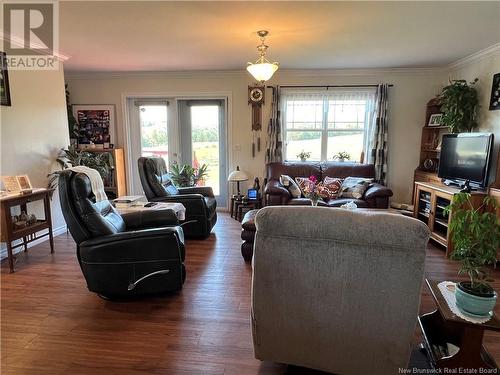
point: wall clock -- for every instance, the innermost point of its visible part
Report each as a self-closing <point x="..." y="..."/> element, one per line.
<point x="256" y="96"/>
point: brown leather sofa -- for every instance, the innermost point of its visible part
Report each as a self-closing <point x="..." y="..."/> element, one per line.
<point x="376" y="196"/>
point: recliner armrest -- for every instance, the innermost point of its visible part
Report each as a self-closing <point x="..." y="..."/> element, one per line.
<point x="377" y="191"/>
<point x="147" y="245"/>
<point x="150" y="219"/>
<point x="206" y="191"/>
<point x="274" y="187"/>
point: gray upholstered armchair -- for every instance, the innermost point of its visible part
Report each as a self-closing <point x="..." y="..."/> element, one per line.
<point x="199" y="201"/>
<point x="336" y="290"/>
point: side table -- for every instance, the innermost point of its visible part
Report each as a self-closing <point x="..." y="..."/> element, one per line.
<point x="442" y="326"/>
<point x="247" y="205"/>
<point x="28" y="233"/>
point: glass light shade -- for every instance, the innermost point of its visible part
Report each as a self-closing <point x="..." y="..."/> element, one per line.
<point x="237" y="176"/>
<point x="262" y="71"/>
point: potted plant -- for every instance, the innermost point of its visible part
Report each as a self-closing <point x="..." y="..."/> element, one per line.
<point x="459" y="105"/>
<point x="303" y="156"/>
<point x="476" y="236"/>
<point x="102" y="162"/>
<point x="342" y="156"/>
<point x="187" y="176"/>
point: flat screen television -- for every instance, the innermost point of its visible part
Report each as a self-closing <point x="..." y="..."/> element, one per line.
<point x="466" y="157"/>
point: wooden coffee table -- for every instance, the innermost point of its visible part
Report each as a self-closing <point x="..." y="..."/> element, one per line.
<point x="443" y="326"/>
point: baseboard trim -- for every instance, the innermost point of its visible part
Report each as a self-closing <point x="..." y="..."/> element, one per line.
<point x="56" y="232"/>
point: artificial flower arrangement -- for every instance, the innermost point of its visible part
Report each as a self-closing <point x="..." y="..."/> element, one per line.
<point x="311" y="190"/>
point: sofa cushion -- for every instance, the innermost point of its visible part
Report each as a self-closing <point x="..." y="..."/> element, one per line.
<point x="329" y="188"/>
<point x="354" y="187"/>
<point x="346" y="169"/>
<point x="291" y="185"/>
<point x="341" y="201"/>
<point x="303" y="183"/>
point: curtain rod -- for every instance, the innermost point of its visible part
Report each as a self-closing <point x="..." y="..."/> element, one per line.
<point x="323" y="86"/>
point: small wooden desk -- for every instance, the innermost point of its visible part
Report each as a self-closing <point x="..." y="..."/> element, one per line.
<point x="28" y="233"/>
<point x="442" y="326"/>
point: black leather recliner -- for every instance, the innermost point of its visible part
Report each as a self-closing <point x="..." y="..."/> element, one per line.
<point x="122" y="255"/>
<point x="199" y="201"/>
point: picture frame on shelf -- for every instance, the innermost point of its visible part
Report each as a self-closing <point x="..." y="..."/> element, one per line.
<point x="96" y="123"/>
<point x="435" y="120"/>
<point x="4" y="81"/>
<point x="495" y="93"/>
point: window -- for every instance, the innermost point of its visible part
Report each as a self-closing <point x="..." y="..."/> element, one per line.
<point x="325" y="123"/>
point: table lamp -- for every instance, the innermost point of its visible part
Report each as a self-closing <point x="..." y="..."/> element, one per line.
<point x="237" y="176"/>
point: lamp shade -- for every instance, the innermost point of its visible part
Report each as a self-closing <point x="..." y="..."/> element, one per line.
<point x="237" y="175"/>
<point x="262" y="71"/>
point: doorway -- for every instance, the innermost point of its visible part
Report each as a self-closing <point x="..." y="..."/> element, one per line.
<point x="183" y="131"/>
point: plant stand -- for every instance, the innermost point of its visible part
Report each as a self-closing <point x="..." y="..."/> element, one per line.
<point x="442" y="326"/>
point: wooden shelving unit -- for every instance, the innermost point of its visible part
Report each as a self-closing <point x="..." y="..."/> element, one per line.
<point x="115" y="184"/>
<point x="430" y="202"/>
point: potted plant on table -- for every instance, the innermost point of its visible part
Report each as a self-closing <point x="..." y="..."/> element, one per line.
<point x="342" y="156"/>
<point x="476" y="237"/>
<point x="303" y="156"/>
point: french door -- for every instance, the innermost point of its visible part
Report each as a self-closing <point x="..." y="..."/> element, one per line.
<point x="183" y="131"/>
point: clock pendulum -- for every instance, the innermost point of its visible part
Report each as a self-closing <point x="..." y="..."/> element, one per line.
<point x="256" y="99"/>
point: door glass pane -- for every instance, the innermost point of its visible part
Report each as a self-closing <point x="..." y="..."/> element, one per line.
<point x="154" y="135"/>
<point x="298" y="141"/>
<point x="205" y="142"/>
<point x="347" y="141"/>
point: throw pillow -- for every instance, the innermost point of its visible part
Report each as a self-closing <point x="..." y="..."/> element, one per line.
<point x="290" y="184"/>
<point x="354" y="187"/>
<point x="330" y="188"/>
<point x="303" y="182"/>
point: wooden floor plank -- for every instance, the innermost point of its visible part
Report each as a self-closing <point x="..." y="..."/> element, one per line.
<point x="51" y="324"/>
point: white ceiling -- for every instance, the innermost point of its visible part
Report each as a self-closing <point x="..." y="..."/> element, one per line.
<point x="173" y="36"/>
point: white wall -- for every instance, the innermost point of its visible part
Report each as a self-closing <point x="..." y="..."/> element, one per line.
<point x="412" y="89"/>
<point x="34" y="128"/>
<point x="483" y="66"/>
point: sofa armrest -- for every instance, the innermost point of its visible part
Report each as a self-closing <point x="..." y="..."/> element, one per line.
<point x="206" y="191"/>
<point x="132" y="246"/>
<point x="377" y="191"/>
<point x="274" y="187"/>
<point x="150" y="219"/>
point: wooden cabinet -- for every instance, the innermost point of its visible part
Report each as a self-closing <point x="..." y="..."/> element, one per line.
<point x="115" y="184"/>
<point x="430" y="201"/>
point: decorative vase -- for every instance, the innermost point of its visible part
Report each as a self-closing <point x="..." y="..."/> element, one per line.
<point x="473" y="304"/>
<point x="314" y="201"/>
<point x="303" y="160"/>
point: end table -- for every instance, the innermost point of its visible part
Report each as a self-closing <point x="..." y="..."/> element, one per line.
<point x="442" y="326"/>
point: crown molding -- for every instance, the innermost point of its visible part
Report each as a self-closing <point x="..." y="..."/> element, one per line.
<point x="475" y="57"/>
<point x="218" y="74"/>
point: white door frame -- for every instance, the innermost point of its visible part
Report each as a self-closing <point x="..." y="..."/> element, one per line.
<point x="225" y="95"/>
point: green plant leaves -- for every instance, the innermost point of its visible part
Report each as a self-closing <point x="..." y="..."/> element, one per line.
<point x="459" y="105"/>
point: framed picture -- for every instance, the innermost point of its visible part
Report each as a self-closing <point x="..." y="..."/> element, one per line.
<point x="96" y="123"/>
<point x="495" y="93"/>
<point x="4" y="81"/>
<point x="24" y="182"/>
<point x="435" y="119"/>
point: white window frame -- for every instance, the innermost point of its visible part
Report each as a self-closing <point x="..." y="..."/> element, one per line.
<point x="326" y="97"/>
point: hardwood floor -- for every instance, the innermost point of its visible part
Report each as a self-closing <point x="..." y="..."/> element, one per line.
<point x="51" y="323"/>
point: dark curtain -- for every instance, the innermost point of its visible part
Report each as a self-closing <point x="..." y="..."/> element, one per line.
<point x="274" y="144"/>
<point x="378" y="155"/>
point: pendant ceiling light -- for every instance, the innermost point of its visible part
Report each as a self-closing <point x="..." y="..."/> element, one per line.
<point x="262" y="69"/>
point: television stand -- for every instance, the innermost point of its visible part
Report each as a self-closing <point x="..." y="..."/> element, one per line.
<point x="429" y="204"/>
